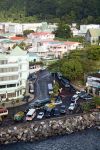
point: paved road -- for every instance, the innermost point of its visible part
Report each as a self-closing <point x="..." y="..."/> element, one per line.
<point x="41" y="90"/>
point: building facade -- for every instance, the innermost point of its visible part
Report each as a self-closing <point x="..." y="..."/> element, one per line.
<point x="14" y="71"/>
<point x="93" y="84"/>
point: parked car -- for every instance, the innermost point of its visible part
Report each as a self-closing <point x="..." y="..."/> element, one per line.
<point x="40" y="103"/>
<point x="65" y="82"/>
<point x="59" y="75"/>
<point x="58" y="100"/>
<point x="81" y="93"/>
<point x="31" y="114"/>
<point x="40" y="115"/>
<point x="50" y="105"/>
<point x="63" y="109"/>
<point x="74" y="98"/>
<point x="84" y="95"/>
<point x="56" y="112"/>
<point x="72" y="106"/>
<point x="87" y="97"/>
<point x="19" y="116"/>
<point x="48" y="112"/>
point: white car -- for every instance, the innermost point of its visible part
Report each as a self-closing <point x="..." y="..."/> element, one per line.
<point x="58" y="102"/>
<point x="72" y="106"/>
<point x="75" y="98"/>
<point x="40" y="115"/>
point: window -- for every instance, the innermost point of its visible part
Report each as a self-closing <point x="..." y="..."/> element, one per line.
<point x="3" y="61"/>
<point x="2" y="96"/>
<point x="7" y="78"/>
<point x="2" y="86"/>
<point x="11" y="95"/>
<point x="12" y="69"/>
<point x="11" y="85"/>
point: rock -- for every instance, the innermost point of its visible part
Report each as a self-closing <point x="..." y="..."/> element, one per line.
<point x="38" y="130"/>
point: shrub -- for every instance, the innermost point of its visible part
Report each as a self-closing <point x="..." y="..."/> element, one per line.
<point x="86" y="107"/>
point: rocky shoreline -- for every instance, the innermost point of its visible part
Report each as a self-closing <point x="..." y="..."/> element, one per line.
<point x="28" y="132"/>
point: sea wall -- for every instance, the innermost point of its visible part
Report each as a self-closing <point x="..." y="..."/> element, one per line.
<point x="50" y="127"/>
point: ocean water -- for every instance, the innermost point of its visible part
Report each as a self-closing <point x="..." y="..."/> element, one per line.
<point x="84" y="140"/>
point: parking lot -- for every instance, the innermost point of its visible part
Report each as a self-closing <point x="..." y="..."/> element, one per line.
<point x="41" y="92"/>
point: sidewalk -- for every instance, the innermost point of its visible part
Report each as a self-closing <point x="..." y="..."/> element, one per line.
<point x="79" y="87"/>
<point x="10" y="104"/>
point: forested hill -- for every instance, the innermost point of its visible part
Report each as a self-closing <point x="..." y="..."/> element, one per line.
<point x="87" y="11"/>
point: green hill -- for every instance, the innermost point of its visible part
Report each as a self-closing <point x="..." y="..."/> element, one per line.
<point x="87" y="11"/>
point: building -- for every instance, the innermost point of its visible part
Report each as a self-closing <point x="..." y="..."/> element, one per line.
<point x="33" y="57"/>
<point x="93" y="36"/>
<point x="52" y="48"/>
<point x="14" y="71"/>
<point x="15" y="28"/>
<point x="41" y="36"/>
<point x="84" y="28"/>
<point x="93" y="84"/>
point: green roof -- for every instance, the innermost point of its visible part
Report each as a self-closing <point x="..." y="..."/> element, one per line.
<point x="17" y="51"/>
<point x="7" y="41"/>
<point x="7" y="34"/>
<point x="94" y="32"/>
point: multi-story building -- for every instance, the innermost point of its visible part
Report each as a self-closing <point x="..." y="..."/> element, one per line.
<point x="14" y="70"/>
<point x="93" y="84"/>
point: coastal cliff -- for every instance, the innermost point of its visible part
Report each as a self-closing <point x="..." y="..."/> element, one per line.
<point x="46" y="128"/>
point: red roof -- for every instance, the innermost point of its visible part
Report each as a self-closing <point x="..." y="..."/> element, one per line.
<point x="71" y="43"/>
<point x="41" y="33"/>
<point x="17" y="38"/>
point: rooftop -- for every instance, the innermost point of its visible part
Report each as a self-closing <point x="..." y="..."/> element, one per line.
<point x="17" y="51"/>
<point x="94" y="32"/>
<point x="17" y="38"/>
<point x="41" y="33"/>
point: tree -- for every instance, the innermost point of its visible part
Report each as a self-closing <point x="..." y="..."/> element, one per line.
<point x="63" y="30"/>
<point x="26" y="32"/>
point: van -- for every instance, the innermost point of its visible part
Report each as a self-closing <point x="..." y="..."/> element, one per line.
<point x="31" y="114"/>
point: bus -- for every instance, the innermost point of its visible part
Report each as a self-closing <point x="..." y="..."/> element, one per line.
<point x="31" y="114"/>
<point x="3" y="112"/>
<point x="50" y="88"/>
<point x="31" y="88"/>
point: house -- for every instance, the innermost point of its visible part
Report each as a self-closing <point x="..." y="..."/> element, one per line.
<point x="93" y="36"/>
<point x="52" y="48"/>
<point x="15" y="28"/>
<point x="33" y="57"/>
<point x="41" y="36"/>
<point x="7" y="44"/>
<point x="84" y="28"/>
<point x="93" y="84"/>
<point x="14" y="71"/>
<point x="17" y="39"/>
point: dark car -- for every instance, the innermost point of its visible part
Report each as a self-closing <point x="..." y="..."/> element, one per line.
<point x="63" y="109"/>
<point x="48" y="113"/>
<point x="65" y="82"/>
<point x="56" y="112"/>
<point x="40" y="103"/>
<point x="87" y="97"/>
<point x="81" y="94"/>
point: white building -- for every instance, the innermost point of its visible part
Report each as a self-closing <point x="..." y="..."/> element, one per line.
<point x="84" y="28"/>
<point x="15" y="28"/>
<point x="52" y="48"/>
<point x="41" y="36"/>
<point x="14" y="70"/>
<point x="93" y="84"/>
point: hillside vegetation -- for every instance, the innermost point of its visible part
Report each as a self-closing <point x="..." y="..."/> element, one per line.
<point x="78" y="63"/>
<point x="85" y="11"/>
